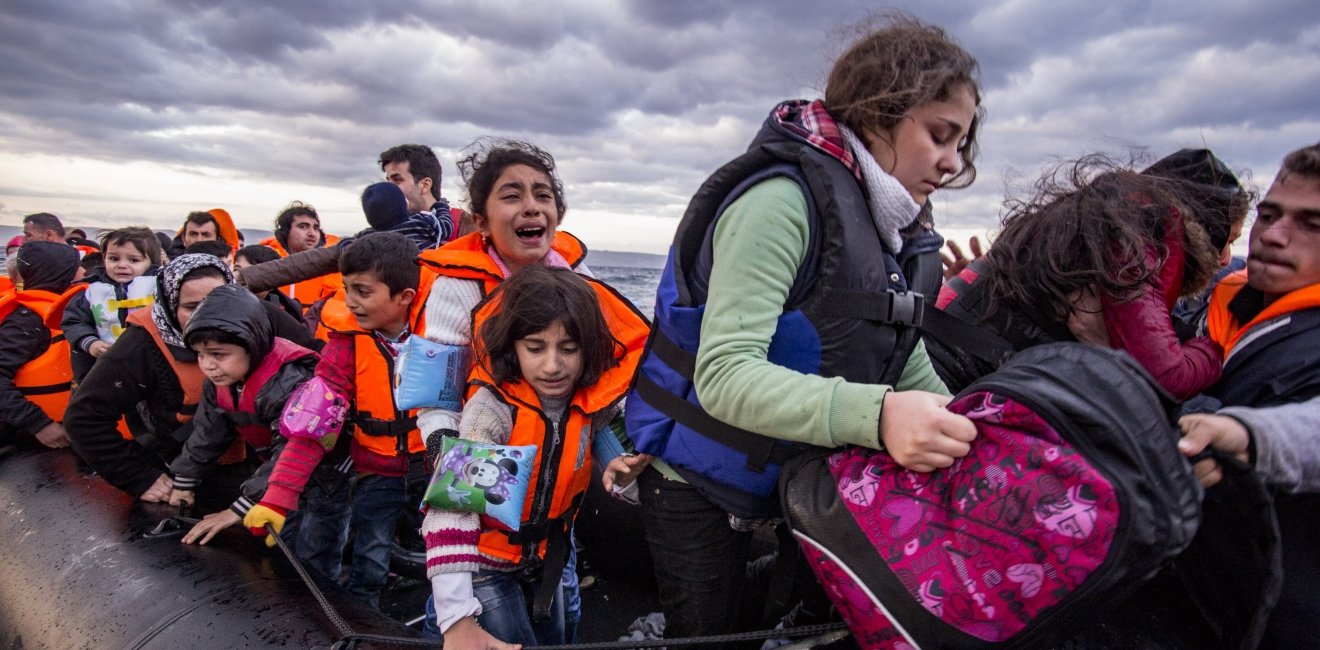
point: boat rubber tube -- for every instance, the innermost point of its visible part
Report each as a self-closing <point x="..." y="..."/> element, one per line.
<point x="79" y="569"/>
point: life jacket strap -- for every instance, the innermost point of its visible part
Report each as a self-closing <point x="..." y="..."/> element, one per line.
<point x="50" y="389"/>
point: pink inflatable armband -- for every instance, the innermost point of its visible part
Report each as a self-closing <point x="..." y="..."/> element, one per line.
<point x="315" y="411"/>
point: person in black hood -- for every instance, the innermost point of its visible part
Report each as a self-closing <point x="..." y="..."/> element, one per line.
<point x="149" y="365"/>
<point x="32" y="361"/>
<point x="250" y="374"/>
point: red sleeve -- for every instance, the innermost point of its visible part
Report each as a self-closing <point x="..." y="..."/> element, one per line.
<point x="337" y="364"/>
<point x="1142" y="327"/>
<point x="298" y="460"/>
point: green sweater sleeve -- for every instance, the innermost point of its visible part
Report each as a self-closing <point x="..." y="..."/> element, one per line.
<point x="759" y="243"/>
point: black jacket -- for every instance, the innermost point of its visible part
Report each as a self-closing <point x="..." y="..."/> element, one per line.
<point x="25" y="338"/>
<point x="135" y="371"/>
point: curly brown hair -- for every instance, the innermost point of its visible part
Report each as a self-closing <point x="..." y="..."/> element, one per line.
<point x="1087" y="228"/>
<point x="896" y="64"/>
<point x="487" y="158"/>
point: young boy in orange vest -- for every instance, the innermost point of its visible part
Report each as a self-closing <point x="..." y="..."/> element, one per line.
<point x="35" y="376"/>
<point x="385" y="291"/>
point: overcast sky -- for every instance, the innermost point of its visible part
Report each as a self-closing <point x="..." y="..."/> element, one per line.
<point x="116" y="112"/>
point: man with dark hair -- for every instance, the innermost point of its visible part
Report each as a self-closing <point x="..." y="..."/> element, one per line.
<point x="43" y="226"/>
<point x="1268" y="321"/>
<point x="204" y="226"/>
<point x="200" y="226"/>
<point x="416" y="171"/>
<point x="298" y="228"/>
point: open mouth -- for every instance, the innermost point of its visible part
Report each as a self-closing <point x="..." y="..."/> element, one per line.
<point x="530" y="233"/>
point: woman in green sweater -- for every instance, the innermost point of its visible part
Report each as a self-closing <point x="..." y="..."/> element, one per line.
<point x="785" y="316"/>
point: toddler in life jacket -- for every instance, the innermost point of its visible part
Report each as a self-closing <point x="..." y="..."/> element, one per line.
<point x="93" y="320"/>
<point x="548" y="371"/>
<point x="250" y="374"/>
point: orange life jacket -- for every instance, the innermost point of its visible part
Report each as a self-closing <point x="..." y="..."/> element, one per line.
<point x="46" y="380"/>
<point x="1224" y="328"/>
<point x="6" y="285"/>
<point x="466" y="257"/>
<point x="243" y="416"/>
<point x="378" y="425"/>
<point x="562" y="468"/>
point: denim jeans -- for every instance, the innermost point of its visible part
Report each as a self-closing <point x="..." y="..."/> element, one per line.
<point x="700" y="562"/>
<point x="323" y="529"/>
<point x="374" y="508"/>
<point x="506" y="611"/>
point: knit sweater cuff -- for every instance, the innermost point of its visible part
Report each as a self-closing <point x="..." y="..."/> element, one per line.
<point x="185" y="483"/>
<point x="451" y="542"/>
<point x="278" y="495"/>
<point x="855" y="414"/>
<point x="241" y="506"/>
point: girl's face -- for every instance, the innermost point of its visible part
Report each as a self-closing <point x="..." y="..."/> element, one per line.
<point x="123" y="262"/>
<point x="921" y="151"/>
<point x="191" y="294"/>
<point x="550" y="361"/>
<point x="521" y="216"/>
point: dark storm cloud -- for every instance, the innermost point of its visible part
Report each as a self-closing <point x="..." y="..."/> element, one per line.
<point x="639" y="100"/>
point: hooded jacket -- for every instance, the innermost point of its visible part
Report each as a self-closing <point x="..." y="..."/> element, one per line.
<point x="276" y="367"/>
<point x="140" y="368"/>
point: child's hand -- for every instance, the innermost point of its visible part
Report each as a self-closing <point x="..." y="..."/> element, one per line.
<point x="53" y="435"/>
<point x="181" y="497"/>
<point x="159" y="492"/>
<point x="624" y="470"/>
<point x="98" y="348"/>
<point x="210" y="525"/>
<point x="260" y="515"/>
<point x="467" y="635"/>
<point x="920" y="434"/>
<point x="1221" y="432"/>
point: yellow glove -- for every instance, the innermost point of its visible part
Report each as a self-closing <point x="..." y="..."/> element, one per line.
<point x="260" y="515"/>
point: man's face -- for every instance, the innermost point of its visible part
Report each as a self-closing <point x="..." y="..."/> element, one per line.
<point x="33" y="232"/>
<point x="418" y="193"/>
<point x="193" y="233"/>
<point x="304" y="233"/>
<point x="1284" y="253"/>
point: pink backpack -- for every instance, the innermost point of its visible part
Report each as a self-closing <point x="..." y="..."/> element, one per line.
<point x="1073" y="495"/>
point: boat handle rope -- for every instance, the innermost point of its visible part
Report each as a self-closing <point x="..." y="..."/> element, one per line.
<point x="349" y="639"/>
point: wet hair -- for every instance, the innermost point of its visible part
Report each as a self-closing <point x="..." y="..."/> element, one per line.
<point x="284" y="222"/>
<point x="422" y="163"/>
<point x="92" y="262"/>
<point x="204" y="335"/>
<point x="535" y="298"/>
<point x="1089" y="225"/>
<point x="46" y="221"/>
<point x="217" y="247"/>
<point x="1304" y="162"/>
<point x="139" y="237"/>
<point x="390" y="257"/>
<point x="488" y="158"/>
<point x="898" y="63"/>
<point x="257" y="254"/>
<point x="201" y="219"/>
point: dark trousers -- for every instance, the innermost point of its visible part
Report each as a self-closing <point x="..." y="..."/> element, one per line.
<point x="700" y="562"/>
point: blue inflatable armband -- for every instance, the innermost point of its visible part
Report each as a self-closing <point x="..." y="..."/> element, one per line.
<point x="607" y="444"/>
<point x="431" y="375"/>
<point x="490" y="480"/>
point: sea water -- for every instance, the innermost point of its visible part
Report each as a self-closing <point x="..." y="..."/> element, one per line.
<point x="635" y="283"/>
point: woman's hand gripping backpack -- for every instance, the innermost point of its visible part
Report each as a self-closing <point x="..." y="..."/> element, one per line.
<point x="1074" y="494"/>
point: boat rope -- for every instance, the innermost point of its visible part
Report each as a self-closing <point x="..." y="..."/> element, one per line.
<point x="349" y="639"/>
